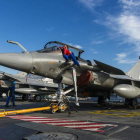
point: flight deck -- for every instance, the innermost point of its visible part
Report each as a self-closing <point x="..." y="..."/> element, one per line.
<point x="91" y="121"/>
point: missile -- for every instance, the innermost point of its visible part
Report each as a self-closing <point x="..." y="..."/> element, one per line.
<point x="127" y="91"/>
<point x="33" y="91"/>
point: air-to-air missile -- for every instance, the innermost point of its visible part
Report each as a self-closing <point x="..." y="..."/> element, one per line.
<point x="92" y="79"/>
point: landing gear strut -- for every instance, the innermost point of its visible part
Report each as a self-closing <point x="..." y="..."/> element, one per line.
<point x="101" y="100"/>
<point x="127" y="102"/>
<point x="61" y="95"/>
<point x="104" y="100"/>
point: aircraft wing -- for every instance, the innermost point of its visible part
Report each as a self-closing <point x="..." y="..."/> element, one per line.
<point x="40" y="84"/>
<point x="30" y="82"/>
<point x="12" y="77"/>
<point x="124" y="77"/>
<point x="109" y="69"/>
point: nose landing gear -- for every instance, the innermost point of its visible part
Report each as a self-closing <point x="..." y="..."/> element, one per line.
<point x="61" y="95"/>
<point x="58" y="107"/>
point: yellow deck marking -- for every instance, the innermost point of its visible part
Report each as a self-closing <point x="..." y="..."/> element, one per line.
<point x="116" y="113"/>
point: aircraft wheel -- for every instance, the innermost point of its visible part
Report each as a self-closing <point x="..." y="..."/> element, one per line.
<point x="127" y="102"/>
<point x="101" y="100"/>
<point x="53" y="111"/>
<point x="37" y="98"/>
<point x="62" y="107"/>
<point x="25" y="97"/>
<point x="134" y="103"/>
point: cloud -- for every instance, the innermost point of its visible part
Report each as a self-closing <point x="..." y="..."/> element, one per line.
<point x="126" y="26"/>
<point x="93" y="51"/>
<point x="129" y="25"/>
<point x="97" y="42"/>
<point x="90" y="4"/>
<point x="74" y="45"/>
<point x="123" y="58"/>
<point x="65" y="35"/>
<point x="78" y="46"/>
<point x="50" y="29"/>
<point x="129" y="3"/>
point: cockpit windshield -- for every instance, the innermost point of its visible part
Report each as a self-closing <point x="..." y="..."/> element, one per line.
<point x="55" y="46"/>
<point x="48" y="45"/>
<point x="51" y="48"/>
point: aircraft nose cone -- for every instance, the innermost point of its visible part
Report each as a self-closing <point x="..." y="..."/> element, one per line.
<point x="18" y="61"/>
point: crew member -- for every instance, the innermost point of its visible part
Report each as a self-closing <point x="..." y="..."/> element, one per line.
<point x="11" y="94"/>
<point x="68" y="55"/>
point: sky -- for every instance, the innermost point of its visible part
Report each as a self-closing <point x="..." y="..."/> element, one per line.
<point x="107" y="30"/>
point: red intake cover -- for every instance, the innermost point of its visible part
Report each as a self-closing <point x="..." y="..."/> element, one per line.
<point x="85" y="78"/>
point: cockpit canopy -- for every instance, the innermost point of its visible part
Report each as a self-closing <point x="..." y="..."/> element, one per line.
<point x="54" y="47"/>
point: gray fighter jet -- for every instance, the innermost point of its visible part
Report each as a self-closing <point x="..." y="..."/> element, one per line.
<point x="27" y="86"/>
<point x="92" y="79"/>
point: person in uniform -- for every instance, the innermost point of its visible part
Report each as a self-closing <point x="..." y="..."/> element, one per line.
<point x="11" y="91"/>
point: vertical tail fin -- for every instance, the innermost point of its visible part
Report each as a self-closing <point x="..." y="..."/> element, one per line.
<point x="135" y="71"/>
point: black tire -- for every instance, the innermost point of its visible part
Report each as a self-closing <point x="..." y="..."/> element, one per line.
<point x="37" y="98"/>
<point x="100" y="100"/>
<point x="25" y="97"/>
<point x="127" y="102"/>
<point x="134" y="103"/>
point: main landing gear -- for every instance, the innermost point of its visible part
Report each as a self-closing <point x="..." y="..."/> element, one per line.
<point x="101" y="100"/>
<point x="104" y="100"/>
<point x="132" y="102"/>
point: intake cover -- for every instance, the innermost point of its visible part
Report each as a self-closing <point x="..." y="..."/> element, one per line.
<point x="85" y="78"/>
